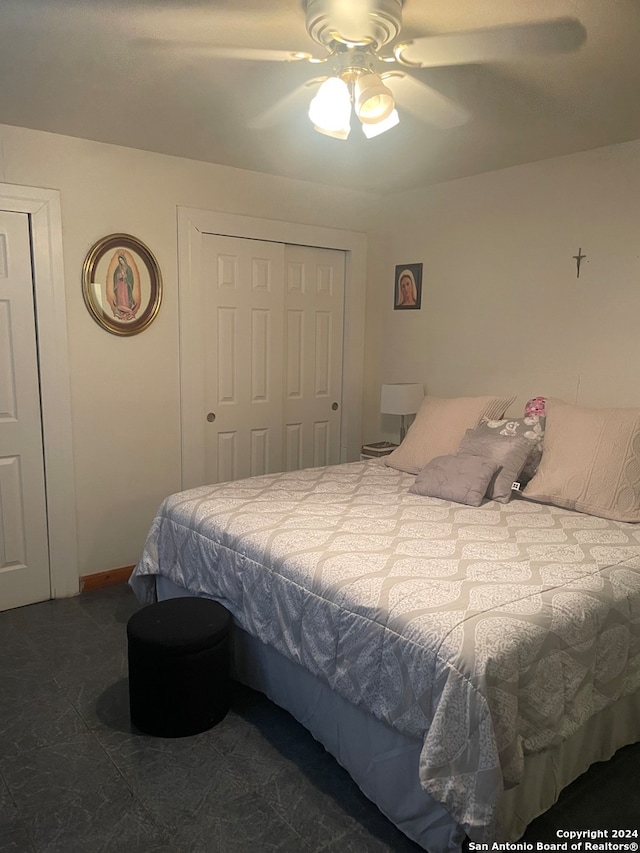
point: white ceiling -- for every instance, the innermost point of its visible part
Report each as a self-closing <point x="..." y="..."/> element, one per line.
<point x="91" y="69"/>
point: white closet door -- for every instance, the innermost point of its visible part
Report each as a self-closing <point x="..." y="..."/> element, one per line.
<point x="244" y="320"/>
<point x="24" y="553"/>
<point x="273" y="320"/>
<point x="314" y="304"/>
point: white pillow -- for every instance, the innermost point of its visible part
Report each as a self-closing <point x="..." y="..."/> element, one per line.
<point x="590" y="461"/>
<point x="439" y="427"/>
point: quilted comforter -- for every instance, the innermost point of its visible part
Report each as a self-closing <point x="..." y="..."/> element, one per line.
<point x="488" y="633"/>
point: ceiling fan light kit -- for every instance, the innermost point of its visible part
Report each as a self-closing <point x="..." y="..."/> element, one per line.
<point x="352" y="32"/>
<point x="373" y="102"/>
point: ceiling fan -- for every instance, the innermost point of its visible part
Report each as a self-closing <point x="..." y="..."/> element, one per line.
<point x="364" y="61"/>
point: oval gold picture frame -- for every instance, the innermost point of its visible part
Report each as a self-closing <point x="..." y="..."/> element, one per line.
<point x="121" y="284"/>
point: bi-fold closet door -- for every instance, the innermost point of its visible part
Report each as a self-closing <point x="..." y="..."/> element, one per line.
<point x="273" y="356"/>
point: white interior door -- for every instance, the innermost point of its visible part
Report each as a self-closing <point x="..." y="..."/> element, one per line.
<point x="24" y="553"/>
<point x="244" y="317"/>
<point x="314" y="304"/>
<point x="273" y="320"/>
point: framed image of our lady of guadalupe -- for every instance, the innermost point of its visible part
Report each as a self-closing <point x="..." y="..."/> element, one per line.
<point x="121" y="284"/>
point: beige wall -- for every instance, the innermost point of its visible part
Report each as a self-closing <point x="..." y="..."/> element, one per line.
<point x="125" y="391"/>
<point x="502" y="309"/>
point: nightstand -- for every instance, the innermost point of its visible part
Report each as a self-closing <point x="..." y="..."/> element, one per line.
<point x="376" y="450"/>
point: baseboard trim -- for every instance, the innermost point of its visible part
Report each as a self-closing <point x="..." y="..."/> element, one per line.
<point x="102" y="579"/>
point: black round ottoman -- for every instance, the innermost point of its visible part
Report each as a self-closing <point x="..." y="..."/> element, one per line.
<point x="179" y="666"/>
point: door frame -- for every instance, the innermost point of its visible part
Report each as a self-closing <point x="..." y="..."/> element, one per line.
<point x="192" y="225"/>
<point x="43" y="208"/>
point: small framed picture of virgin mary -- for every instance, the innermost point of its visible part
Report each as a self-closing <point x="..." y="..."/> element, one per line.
<point x="407" y="293"/>
<point x="121" y="284"/>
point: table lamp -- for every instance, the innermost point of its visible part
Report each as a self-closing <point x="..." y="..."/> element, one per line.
<point x="402" y="399"/>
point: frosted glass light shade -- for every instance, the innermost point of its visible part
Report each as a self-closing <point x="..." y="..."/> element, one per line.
<point x="371" y="130"/>
<point x="340" y="133"/>
<point x="330" y="109"/>
<point x="373" y="100"/>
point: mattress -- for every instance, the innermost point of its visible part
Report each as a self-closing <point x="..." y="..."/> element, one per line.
<point x="489" y="634"/>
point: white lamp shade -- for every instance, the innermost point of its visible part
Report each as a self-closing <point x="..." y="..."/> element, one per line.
<point x="373" y="100"/>
<point x="330" y="110"/>
<point x="340" y="133"/>
<point x="371" y="130"/>
<point x="403" y="398"/>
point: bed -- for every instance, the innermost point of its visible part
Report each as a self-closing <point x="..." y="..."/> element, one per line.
<point x="463" y="663"/>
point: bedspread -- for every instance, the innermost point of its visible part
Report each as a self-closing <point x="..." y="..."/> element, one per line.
<point x="486" y="632"/>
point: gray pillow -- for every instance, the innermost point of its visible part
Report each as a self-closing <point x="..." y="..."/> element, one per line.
<point x="463" y="479"/>
<point x="531" y="428"/>
<point x="510" y="452"/>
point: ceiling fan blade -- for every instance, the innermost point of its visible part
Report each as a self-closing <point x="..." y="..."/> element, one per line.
<point x="215" y="52"/>
<point x="424" y="102"/>
<point x="256" y="54"/>
<point x="296" y="99"/>
<point x="493" y="44"/>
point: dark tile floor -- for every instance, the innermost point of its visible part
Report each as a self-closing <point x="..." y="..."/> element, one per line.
<point x="75" y="777"/>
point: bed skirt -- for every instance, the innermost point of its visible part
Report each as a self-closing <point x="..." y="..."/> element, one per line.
<point x="384" y="763"/>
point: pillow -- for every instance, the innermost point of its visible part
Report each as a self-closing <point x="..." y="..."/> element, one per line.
<point x="531" y="428"/>
<point x="463" y="479"/>
<point x="439" y="427"/>
<point x="510" y="452"/>
<point x="535" y="406"/>
<point x="591" y="461"/>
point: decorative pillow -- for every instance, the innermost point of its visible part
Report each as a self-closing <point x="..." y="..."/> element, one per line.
<point x="510" y="452"/>
<point x="591" y="461"/>
<point x="439" y="427"/>
<point x="535" y="406"/>
<point x="532" y="428"/>
<point x="463" y="479"/>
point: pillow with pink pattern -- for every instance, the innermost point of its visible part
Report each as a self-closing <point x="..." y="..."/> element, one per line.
<point x="536" y="406"/>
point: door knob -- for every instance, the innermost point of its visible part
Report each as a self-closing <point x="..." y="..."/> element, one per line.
<point x="211" y="417"/>
<point x="335" y="407"/>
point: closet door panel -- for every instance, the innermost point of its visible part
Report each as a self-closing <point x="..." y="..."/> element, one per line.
<point x="244" y="328"/>
<point x="314" y="342"/>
